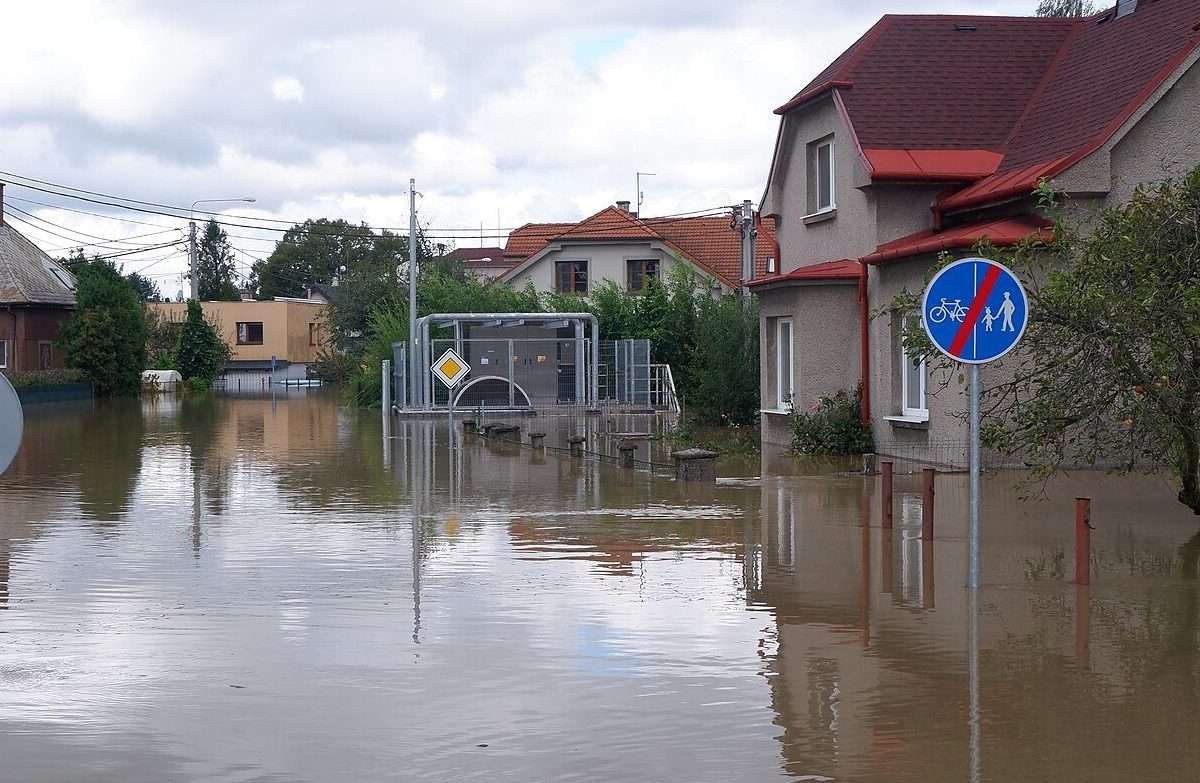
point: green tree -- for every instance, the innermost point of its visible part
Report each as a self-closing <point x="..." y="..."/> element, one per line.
<point x="216" y="273"/>
<point x="1065" y="8"/>
<point x="105" y="338"/>
<point x="147" y="289"/>
<point x="723" y="370"/>
<point x="200" y="353"/>
<point x="309" y="253"/>
<point x="1108" y="370"/>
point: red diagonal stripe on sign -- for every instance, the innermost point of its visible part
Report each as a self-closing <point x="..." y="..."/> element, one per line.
<point x="972" y="317"/>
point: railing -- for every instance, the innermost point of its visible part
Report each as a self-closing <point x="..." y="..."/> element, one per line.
<point x="662" y="388"/>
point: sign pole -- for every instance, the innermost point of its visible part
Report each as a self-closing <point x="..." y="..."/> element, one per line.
<point x="974" y="500"/>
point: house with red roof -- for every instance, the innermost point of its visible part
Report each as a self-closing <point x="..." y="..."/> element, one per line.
<point x="930" y="134"/>
<point x="485" y="263"/>
<point x="617" y="245"/>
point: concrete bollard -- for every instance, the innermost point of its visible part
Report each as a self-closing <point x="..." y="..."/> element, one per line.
<point x="695" y="465"/>
<point x="537" y="440"/>
<point x="469" y="425"/>
<point x="868" y="464"/>
<point x="627" y="448"/>
<point x="1083" y="541"/>
<point x="506" y="432"/>
<point x="576" y="445"/>
<point x="927" y="475"/>
<point x="886" y="492"/>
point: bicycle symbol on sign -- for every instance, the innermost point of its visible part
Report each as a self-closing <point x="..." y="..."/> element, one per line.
<point x="949" y="308"/>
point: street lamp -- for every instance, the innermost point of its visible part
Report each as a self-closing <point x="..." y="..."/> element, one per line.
<point x="192" y="236"/>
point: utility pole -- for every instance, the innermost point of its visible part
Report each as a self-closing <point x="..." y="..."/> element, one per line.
<point x="192" y="260"/>
<point x="749" y="232"/>
<point x="414" y="361"/>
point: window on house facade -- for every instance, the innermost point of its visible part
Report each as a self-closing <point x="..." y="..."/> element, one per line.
<point x="820" y="176"/>
<point x="312" y="334"/>
<point x="249" y="333"/>
<point x="3" y="353"/>
<point x="639" y="271"/>
<point x="912" y="383"/>
<point x="571" y="277"/>
<point x="45" y="354"/>
<point x="785" y="370"/>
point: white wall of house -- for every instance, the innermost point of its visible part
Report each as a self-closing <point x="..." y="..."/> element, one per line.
<point x="606" y="261"/>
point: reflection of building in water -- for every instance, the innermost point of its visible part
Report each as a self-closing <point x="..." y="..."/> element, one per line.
<point x="869" y="675"/>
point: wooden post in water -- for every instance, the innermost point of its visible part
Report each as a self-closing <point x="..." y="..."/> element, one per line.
<point x="1083" y="541"/>
<point x="627" y="448"/>
<point x="887" y="494"/>
<point x="927" y="475"/>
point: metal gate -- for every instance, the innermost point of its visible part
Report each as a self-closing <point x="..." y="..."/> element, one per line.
<point x="632" y="371"/>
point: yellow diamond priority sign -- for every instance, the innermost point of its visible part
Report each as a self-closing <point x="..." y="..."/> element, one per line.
<point x="451" y="368"/>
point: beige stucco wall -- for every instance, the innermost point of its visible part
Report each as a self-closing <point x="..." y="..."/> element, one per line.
<point x="825" y="348"/>
<point x="606" y="261"/>
<point x="850" y="232"/>
<point x="285" y="327"/>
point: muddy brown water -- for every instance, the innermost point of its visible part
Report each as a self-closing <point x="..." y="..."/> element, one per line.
<point x="272" y="590"/>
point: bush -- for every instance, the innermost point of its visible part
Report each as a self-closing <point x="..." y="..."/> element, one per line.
<point x="200" y="353"/>
<point x="45" y="377"/>
<point x="833" y="426"/>
<point x="106" y="336"/>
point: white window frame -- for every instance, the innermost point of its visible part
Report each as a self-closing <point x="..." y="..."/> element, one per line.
<point x="3" y="354"/>
<point x="780" y="367"/>
<point x="832" y="205"/>
<point x="921" y="413"/>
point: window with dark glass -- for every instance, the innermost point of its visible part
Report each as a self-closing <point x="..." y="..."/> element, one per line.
<point x="572" y="277"/>
<point x="312" y="334"/>
<point x="640" y="270"/>
<point x="249" y="333"/>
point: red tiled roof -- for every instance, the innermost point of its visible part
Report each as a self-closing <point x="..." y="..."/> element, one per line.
<point x="1000" y="231"/>
<point x="846" y="269"/>
<point x="532" y="237"/>
<point x="713" y="243"/>
<point x="1042" y="93"/>
<point x="480" y="257"/>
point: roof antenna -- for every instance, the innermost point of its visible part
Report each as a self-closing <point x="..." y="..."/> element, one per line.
<point x="640" y="195"/>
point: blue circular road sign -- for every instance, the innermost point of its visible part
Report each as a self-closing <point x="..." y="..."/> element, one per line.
<point x="974" y="310"/>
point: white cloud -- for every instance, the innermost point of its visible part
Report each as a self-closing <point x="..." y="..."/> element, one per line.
<point x="287" y="88"/>
<point x="534" y="110"/>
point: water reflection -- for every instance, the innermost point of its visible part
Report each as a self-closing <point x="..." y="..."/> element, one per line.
<point x="298" y="592"/>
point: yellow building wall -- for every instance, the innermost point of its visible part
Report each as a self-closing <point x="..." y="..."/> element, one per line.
<point x="285" y="326"/>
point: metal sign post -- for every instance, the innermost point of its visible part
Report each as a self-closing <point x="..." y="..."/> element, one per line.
<point x="974" y="311"/>
<point x="12" y="423"/>
<point x="450" y="368"/>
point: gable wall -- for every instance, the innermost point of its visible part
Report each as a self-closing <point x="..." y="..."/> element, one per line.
<point x="605" y="261"/>
<point x="848" y="235"/>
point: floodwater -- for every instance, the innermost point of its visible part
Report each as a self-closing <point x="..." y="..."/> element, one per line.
<point x="279" y="590"/>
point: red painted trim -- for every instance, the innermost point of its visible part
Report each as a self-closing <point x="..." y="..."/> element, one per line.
<point x="815" y="92"/>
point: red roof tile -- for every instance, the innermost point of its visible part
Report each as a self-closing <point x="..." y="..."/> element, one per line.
<point x="1000" y="231"/>
<point x="846" y="269"/>
<point x="532" y="237"/>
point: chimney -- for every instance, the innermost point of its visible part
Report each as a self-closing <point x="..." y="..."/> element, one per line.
<point x="623" y="206"/>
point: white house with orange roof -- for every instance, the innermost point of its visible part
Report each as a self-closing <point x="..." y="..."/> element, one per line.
<point x="616" y="245"/>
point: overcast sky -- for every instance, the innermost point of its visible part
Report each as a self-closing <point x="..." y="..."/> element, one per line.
<point x="504" y="112"/>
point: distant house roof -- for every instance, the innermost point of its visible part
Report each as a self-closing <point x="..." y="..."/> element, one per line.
<point x="1001" y="100"/>
<point x="712" y="243"/>
<point x="322" y="292"/>
<point x="480" y="257"/>
<point x="30" y="277"/>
